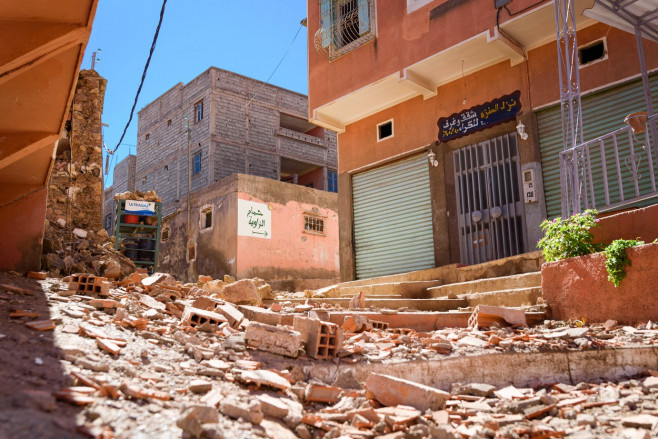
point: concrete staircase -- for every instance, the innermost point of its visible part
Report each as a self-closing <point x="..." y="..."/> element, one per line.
<point x="510" y="282"/>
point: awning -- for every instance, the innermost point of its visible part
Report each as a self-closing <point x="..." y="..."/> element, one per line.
<point x="627" y="15"/>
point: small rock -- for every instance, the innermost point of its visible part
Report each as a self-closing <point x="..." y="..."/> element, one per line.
<point x="80" y="233"/>
<point x="640" y="421"/>
<point x="247" y="410"/>
<point x="586" y="419"/>
<point x="650" y="383"/>
<point x="194" y="417"/>
<point x="200" y="386"/>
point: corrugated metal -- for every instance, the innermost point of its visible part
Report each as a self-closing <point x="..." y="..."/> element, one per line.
<point x="602" y="113"/>
<point x="393" y="219"/>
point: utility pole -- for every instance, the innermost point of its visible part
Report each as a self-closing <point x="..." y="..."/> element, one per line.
<point x="189" y="181"/>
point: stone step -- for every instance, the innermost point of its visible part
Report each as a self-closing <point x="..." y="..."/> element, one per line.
<point x="438" y="304"/>
<point x="413" y="290"/>
<point x="509" y="297"/>
<point x="525" y="280"/>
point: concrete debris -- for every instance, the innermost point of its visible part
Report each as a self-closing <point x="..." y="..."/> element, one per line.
<point x="67" y="251"/>
<point x="149" y="356"/>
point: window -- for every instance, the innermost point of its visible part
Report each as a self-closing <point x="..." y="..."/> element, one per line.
<point x="332" y="181"/>
<point x="205" y="217"/>
<point x="147" y="136"/>
<point x="164" y="235"/>
<point x="198" y="111"/>
<point x="592" y="52"/>
<point x="108" y="221"/>
<point x="314" y="224"/>
<point x="385" y="130"/>
<point x="343" y="22"/>
<point x="196" y="163"/>
<point x="169" y="123"/>
<point x="191" y="252"/>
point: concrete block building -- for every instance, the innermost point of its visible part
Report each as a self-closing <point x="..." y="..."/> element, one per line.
<point x="123" y="181"/>
<point x="224" y="123"/>
<point x="195" y="144"/>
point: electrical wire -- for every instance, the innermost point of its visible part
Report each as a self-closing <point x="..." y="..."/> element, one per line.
<point x="512" y="14"/>
<point x="275" y="68"/>
<point x="148" y="61"/>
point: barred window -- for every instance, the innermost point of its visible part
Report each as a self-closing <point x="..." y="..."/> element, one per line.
<point x="314" y="224"/>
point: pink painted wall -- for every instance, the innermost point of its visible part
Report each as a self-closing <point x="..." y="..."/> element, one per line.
<point x="578" y="288"/>
<point x="290" y="250"/>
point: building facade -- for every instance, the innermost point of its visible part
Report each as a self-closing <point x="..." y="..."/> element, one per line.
<point x="248" y="226"/>
<point x="222" y="123"/>
<point x="449" y="122"/>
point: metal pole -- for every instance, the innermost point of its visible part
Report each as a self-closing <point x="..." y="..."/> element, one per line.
<point x="647" y="87"/>
<point x="570" y="104"/>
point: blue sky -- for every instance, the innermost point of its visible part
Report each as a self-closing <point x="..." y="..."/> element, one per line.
<point x="247" y="36"/>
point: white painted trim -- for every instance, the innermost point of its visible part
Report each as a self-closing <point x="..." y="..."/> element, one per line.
<point x="380" y="139"/>
<point x="590" y="44"/>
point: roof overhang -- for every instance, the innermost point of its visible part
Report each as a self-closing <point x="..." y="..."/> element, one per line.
<point x="628" y="15"/>
<point x="43" y="42"/>
<point x="530" y="30"/>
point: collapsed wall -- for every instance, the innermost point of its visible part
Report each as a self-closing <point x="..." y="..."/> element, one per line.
<point x="75" y="191"/>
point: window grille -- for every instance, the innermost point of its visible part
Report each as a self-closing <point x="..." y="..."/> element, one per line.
<point x="344" y="25"/>
<point x="314" y="224"/>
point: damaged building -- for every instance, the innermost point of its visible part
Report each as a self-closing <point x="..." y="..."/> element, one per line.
<point x="198" y="142"/>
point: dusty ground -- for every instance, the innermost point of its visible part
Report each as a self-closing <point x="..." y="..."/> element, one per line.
<point x="169" y="374"/>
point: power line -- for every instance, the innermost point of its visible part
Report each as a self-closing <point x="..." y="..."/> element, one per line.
<point x="275" y="68"/>
<point x="148" y="61"/>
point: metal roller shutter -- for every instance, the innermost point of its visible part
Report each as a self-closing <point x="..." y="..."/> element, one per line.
<point x="393" y="219"/>
<point x="603" y="112"/>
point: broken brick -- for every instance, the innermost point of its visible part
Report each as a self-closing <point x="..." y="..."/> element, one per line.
<point x="242" y="292"/>
<point x="39" y="275"/>
<point x="322" y="393"/>
<point x="273" y="339"/>
<point x="322" y="340"/>
<point x="391" y="391"/>
<point x="41" y="325"/>
<point x="198" y="317"/>
<point x="265" y="377"/>
<point x="86" y="283"/>
<point x="108" y="346"/>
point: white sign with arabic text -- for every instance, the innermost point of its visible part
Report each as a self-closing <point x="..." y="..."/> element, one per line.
<point x="254" y="219"/>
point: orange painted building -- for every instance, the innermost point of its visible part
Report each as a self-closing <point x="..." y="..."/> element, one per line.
<point x="40" y="55"/>
<point x="448" y="114"/>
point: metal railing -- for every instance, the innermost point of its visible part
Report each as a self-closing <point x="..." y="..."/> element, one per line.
<point x="611" y="171"/>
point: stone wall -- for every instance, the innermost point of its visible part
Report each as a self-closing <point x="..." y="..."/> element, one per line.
<point x="75" y="191"/>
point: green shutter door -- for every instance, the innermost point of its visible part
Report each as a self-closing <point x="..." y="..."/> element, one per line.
<point x="393" y="219"/>
<point x="603" y="112"/>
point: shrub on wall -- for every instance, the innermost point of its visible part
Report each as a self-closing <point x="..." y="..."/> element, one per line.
<point x="571" y="237"/>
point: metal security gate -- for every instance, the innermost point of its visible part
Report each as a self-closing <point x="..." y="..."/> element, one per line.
<point x="489" y="204"/>
<point x="603" y="112"/>
<point x="393" y="219"/>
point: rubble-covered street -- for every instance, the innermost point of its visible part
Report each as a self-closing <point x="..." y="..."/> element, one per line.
<point x="148" y="357"/>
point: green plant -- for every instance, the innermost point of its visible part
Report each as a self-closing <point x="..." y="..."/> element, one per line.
<point x="616" y="259"/>
<point x="568" y="238"/>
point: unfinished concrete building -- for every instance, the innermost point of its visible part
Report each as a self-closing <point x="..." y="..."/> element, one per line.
<point x="123" y="180"/>
<point x="224" y="123"/>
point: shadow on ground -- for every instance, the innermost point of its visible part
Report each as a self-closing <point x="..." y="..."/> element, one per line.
<point x="30" y="369"/>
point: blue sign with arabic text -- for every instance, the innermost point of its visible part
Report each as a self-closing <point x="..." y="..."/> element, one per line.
<point x="479" y="117"/>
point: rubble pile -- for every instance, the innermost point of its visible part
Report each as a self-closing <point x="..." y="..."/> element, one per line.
<point x="138" y="196"/>
<point x="147" y="356"/>
<point x="69" y="250"/>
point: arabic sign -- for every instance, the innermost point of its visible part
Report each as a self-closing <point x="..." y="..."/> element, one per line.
<point x="135" y="207"/>
<point x="254" y="219"/>
<point x="479" y="117"/>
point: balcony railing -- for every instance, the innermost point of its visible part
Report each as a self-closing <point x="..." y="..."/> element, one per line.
<point x="614" y="170"/>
